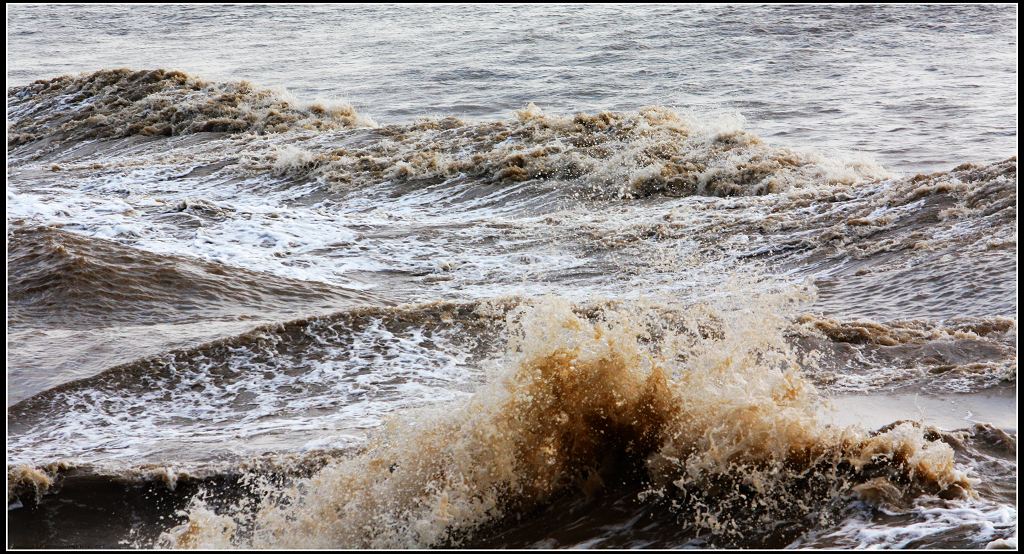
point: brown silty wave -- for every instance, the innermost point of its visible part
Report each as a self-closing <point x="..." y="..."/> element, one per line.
<point x="880" y="249"/>
<point x="654" y="151"/>
<point x="121" y="102"/>
<point x="585" y="407"/>
<point x="622" y="155"/>
<point x="142" y="499"/>
<point x="586" y="414"/>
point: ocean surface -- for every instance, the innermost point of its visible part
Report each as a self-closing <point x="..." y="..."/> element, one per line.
<point x="512" y="276"/>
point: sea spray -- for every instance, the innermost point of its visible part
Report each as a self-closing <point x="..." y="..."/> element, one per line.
<point x="722" y="432"/>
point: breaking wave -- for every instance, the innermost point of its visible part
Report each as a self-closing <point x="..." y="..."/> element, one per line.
<point x="699" y="427"/>
<point x="121" y="102"/>
<point x="653" y="151"/>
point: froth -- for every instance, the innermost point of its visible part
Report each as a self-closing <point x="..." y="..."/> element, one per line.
<point x="653" y="151"/>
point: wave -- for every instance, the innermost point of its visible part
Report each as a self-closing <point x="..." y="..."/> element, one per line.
<point x="315" y="382"/>
<point x="492" y="420"/>
<point x="652" y="152"/>
<point x="61" y="277"/>
<point x="896" y="333"/>
<point x="122" y="102"/>
<point x="583" y="405"/>
<point x="957" y="355"/>
<point x="340" y="374"/>
<point x="655" y="151"/>
<point x="138" y="503"/>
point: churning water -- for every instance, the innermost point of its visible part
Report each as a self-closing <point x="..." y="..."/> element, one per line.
<point x="372" y="276"/>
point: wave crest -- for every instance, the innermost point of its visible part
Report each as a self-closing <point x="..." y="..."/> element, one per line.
<point x="653" y="151"/>
<point x="121" y="102"/>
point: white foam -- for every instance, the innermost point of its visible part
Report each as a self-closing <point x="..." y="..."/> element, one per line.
<point x="929" y="524"/>
<point x="257" y="399"/>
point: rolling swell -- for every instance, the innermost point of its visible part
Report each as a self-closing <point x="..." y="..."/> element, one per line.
<point x="112" y="303"/>
<point x="60" y="277"/>
<point x="957" y="355"/>
<point x="340" y="373"/>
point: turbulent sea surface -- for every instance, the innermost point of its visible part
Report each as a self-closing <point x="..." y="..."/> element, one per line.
<point x="561" y="277"/>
